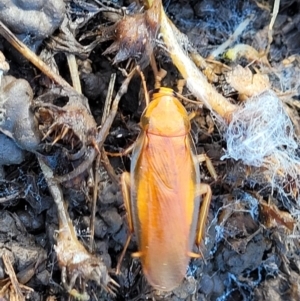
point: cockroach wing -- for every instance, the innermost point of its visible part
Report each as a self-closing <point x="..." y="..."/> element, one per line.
<point x="165" y="208"/>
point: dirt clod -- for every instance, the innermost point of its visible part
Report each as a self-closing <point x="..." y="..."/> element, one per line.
<point x="251" y="247"/>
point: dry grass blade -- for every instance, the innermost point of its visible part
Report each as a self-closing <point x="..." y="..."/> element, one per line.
<point x="31" y="56"/>
<point x="231" y="39"/>
<point x="274" y="16"/>
<point x="16" y="287"/>
<point x="74" y="72"/>
<point x="14" y="281"/>
<point x="94" y="202"/>
<point x="108" y="98"/>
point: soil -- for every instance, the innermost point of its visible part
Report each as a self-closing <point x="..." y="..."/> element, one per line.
<point x="251" y="247"/>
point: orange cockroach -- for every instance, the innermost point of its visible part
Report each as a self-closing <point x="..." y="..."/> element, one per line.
<point x="162" y="192"/>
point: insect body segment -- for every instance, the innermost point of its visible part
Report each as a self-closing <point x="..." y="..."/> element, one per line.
<point x="161" y="194"/>
<point x="165" y="115"/>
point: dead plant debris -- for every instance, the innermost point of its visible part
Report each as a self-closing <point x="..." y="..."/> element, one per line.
<point x="62" y="225"/>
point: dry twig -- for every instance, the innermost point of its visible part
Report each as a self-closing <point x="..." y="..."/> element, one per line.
<point x="12" y="287"/>
<point x="101" y="136"/>
<point x="31" y="56"/>
<point x="74" y="260"/>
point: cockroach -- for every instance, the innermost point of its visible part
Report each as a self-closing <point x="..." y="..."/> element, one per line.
<point x="162" y="192"/>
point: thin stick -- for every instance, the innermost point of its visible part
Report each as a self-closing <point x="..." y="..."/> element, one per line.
<point x="94" y="202"/>
<point x="91" y="155"/>
<point x="144" y="84"/>
<point x="10" y="197"/>
<point x="31" y="56"/>
<point x="55" y="191"/>
<point x="274" y="14"/>
<point x="109" y="169"/>
<point x="270" y="32"/>
<point x="238" y="31"/>
<point x="108" y="97"/>
<point x="12" y="276"/>
<point x="97" y="164"/>
<point x="196" y="81"/>
<point x="74" y="72"/>
<point x="17" y="287"/>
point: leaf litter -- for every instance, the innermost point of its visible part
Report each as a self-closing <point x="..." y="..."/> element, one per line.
<point x="251" y="245"/>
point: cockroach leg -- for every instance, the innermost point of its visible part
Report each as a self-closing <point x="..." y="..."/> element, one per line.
<point x="118" y="268"/>
<point x="136" y="254"/>
<point x="125" y="152"/>
<point x="100" y="138"/>
<point x="125" y="186"/>
<point x="203" y="189"/>
<point x="128" y="150"/>
<point x="108" y="167"/>
<point x="193" y="255"/>
<point x="158" y="75"/>
<point x="192" y="115"/>
<point x="204" y="158"/>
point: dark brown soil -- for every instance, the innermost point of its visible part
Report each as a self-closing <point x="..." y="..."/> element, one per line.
<point x="247" y="255"/>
